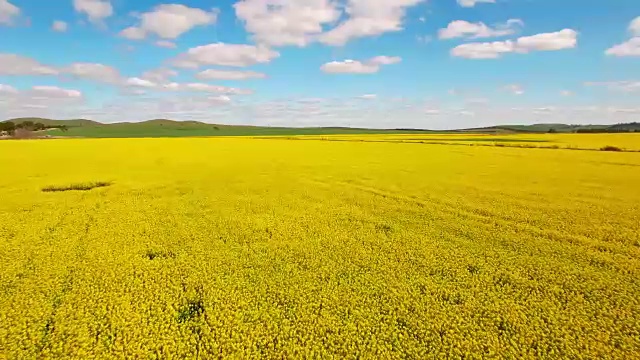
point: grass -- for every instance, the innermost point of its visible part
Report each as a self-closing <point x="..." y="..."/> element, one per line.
<point x="270" y="248"/>
<point x="76" y="186"/>
<point x="164" y="128"/>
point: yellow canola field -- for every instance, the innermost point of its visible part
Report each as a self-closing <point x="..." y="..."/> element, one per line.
<point x="626" y="142"/>
<point x="267" y="248"/>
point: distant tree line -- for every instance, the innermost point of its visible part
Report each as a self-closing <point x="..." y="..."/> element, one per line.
<point x="607" y="131"/>
<point x="620" y="128"/>
<point x="10" y="127"/>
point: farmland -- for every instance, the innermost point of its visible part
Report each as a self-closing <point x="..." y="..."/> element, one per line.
<point x="369" y="246"/>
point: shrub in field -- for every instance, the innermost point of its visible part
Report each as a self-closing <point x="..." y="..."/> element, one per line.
<point x="610" y="148"/>
<point x="76" y="187"/>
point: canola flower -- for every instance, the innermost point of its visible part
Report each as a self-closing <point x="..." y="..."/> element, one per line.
<point x="254" y="248"/>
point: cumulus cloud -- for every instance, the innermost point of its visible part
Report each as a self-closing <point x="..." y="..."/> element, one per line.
<point x="472" y="3"/>
<point x="95" y="10"/>
<point x="137" y="82"/>
<point x="299" y="23"/>
<point x="133" y="33"/>
<point x="156" y="79"/>
<point x="385" y="60"/>
<point x="225" y="55"/>
<point x="211" y="74"/>
<point x="628" y="48"/>
<point x="8" y="12"/>
<point x="286" y="22"/>
<point x="634" y="27"/>
<point x="564" y="39"/>
<point x="8" y="89"/>
<point x="54" y="91"/>
<point x="492" y="50"/>
<point x="12" y="64"/>
<point x="368" y="18"/>
<point x="465" y="29"/>
<point x="39" y="101"/>
<point x="59" y="26"/>
<point x="159" y="75"/>
<point x="207" y="88"/>
<point x="169" y="21"/>
<point x="93" y="71"/>
<point x="370" y="66"/>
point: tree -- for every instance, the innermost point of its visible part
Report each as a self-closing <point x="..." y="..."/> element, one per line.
<point x="39" y="126"/>
<point x="552" y="131"/>
<point x="7" y="126"/>
<point x="27" y="125"/>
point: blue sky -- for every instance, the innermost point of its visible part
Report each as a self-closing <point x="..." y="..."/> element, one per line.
<point x="375" y="63"/>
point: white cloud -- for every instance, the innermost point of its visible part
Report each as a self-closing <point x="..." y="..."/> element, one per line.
<point x="96" y="10"/>
<point x="165" y="44"/>
<point x="8" y="11"/>
<point x="515" y="89"/>
<point x="564" y="39"/>
<point x="370" y="66"/>
<point x="229" y="75"/>
<point x="627" y="86"/>
<point x="566" y="93"/>
<point x="465" y="29"/>
<point x="299" y="23"/>
<point x="169" y="21"/>
<point x="368" y="97"/>
<point x="133" y="33"/>
<point x="225" y="55"/>
<point x="634" y="27"/>
<point x="207" y="88"/>
<point x="492" y="50"/>
<point x="159" y="75"/>
<point x="11" y="64"/>
<point x="95" y="72"/>
<point x="385" y="60"/>
<point x="286" y="22"/>
<point x="138" y="82"/>
<point x="40" y="101"/>
<point x="349" y="67"/>
<point x="8" y="89"/>
<point x="472" y="3"/>
<point x="628" y="48"/>
<point x="228" y="109"/>
<point x="221" y="99"/>
<point x="368" y="18"/>
<point x="59" y="26"/>
<point x="56" y="92"/>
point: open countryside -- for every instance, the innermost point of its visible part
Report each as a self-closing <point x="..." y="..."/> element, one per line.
<point x="281" y="248"/>
<point x="320" y="179"/>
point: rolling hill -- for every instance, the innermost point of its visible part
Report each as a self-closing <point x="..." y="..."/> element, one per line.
<point x="172" y="128"/>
